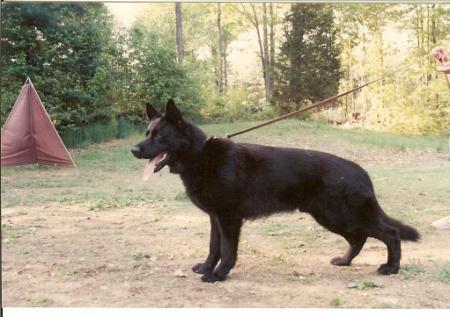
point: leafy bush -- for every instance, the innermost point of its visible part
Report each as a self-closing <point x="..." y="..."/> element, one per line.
<point x="157" y="76"/>
<point x="236" y="104"/>
<point x="80" y="136"/>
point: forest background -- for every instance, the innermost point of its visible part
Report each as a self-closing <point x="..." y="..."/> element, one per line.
<point x="226" y="62"/>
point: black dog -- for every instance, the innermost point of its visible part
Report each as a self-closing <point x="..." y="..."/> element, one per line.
<point x="232" y="182"/>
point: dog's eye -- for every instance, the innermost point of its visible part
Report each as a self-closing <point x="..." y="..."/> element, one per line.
<point x="147" y="133"/>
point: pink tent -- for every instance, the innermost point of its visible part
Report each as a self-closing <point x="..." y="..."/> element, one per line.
<point x="29" y="136"/>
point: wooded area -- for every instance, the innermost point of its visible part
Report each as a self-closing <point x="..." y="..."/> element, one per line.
<point x="92" y="71"/>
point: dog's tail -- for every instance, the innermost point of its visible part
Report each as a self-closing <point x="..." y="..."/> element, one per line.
<point x="407" y="232"/>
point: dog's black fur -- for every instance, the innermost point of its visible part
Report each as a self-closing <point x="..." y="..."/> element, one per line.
<point x="233" y="182"/>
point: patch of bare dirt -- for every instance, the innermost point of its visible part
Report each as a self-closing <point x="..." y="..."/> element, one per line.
<point x="70" y="256"/>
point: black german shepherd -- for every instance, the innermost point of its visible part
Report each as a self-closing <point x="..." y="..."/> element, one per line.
<point x="233" y="182"/>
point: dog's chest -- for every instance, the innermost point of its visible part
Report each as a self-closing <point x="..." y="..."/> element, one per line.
<point x="208" y="195"/>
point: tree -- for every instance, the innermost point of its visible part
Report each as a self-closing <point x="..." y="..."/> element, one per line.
<point x="60" y="46"/>
<point x="157" y="76"/>
<point x="308" y="62"/>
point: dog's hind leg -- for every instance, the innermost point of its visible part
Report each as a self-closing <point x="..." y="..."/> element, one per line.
<point x="391" y="237"/>
<point x="214" y="250"/>
<point x="230" y="230"/>
<point x="356" y="244"/>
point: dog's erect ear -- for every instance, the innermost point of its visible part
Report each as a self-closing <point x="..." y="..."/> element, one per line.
<point x="173" y="114"/>
<point x="152" y="113"/>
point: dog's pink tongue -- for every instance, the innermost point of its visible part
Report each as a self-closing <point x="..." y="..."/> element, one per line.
<point x="150" y="166"/>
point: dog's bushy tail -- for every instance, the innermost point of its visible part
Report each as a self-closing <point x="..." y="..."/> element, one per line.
<point x="407" y="233"/>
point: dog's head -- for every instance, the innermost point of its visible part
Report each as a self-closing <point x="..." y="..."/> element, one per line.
<point x="165" y="136"/>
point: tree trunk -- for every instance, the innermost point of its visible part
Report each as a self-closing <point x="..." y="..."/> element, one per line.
<point x="272" y="43"/>
<point x="433" y="25"/>
<point x="363" y="62"/>
<point x="225" y="63"/>
<point x="267" y="77"/>
<point x="379" y="33"/>
<point x="428" y="41"/>
<point x="219" y="50"/>
<point x="261" y="52"/>
<point x="179" y="32"/>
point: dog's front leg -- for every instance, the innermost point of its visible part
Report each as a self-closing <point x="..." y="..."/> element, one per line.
<point x="230" y="230"/>
<point x="214" y="250"/>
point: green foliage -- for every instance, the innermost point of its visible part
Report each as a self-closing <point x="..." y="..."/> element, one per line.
<point x="235" y="104"/>
<point x="60" y="47"/>
<point x="414" y="109"/>
<point x="94" y="77"/>
<point x="126" y="127"/>
<point x="414" y="100"/>
<point x="157" y="76"/>
<point x="81" y="136"/>
<point x="74" y="136"/>
<point x="308" y="65"/>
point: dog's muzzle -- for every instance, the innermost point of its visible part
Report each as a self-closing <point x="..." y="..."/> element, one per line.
<point x="136" y="150"/>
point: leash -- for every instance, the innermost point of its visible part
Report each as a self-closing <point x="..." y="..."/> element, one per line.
<point x="320" y="103"/>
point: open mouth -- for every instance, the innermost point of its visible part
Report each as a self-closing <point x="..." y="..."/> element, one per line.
<point x="155" y="165"/>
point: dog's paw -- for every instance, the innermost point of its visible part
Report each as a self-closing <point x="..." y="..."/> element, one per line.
<point x="201" y="268"/>
<point x="387" y="269"/>
<point x="340" y="261"/>
<point x="211" y="277"/>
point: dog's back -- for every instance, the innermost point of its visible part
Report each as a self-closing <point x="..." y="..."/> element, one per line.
<point x="258" y="180"/>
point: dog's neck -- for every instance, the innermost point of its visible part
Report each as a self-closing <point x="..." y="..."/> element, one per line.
<point x="185" y="160"/>
<point x="198" y="138"/>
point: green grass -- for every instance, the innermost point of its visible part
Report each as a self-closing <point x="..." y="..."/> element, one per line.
<point x="365" y="284"/>
<point x="11" y="232"/>
<point x="412" y="269"/>
<point x="315" y="130"/>
<point x="336" y="302"/>
<point x="121" y="200"/>
<point x="443" y="274"/>
<point x="44" y="302"/>
<point x="108" y="176"/>
<point x="141" y="256"/>
<point x="181" y="196"/>
<point x="275" y="229"/>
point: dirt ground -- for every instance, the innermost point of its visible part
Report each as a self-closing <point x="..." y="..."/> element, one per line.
<point x="76" y="253"/>
<point x="128" y="258"/>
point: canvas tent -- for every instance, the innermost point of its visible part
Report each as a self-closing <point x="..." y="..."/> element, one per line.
<point x="29" y="136"/>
